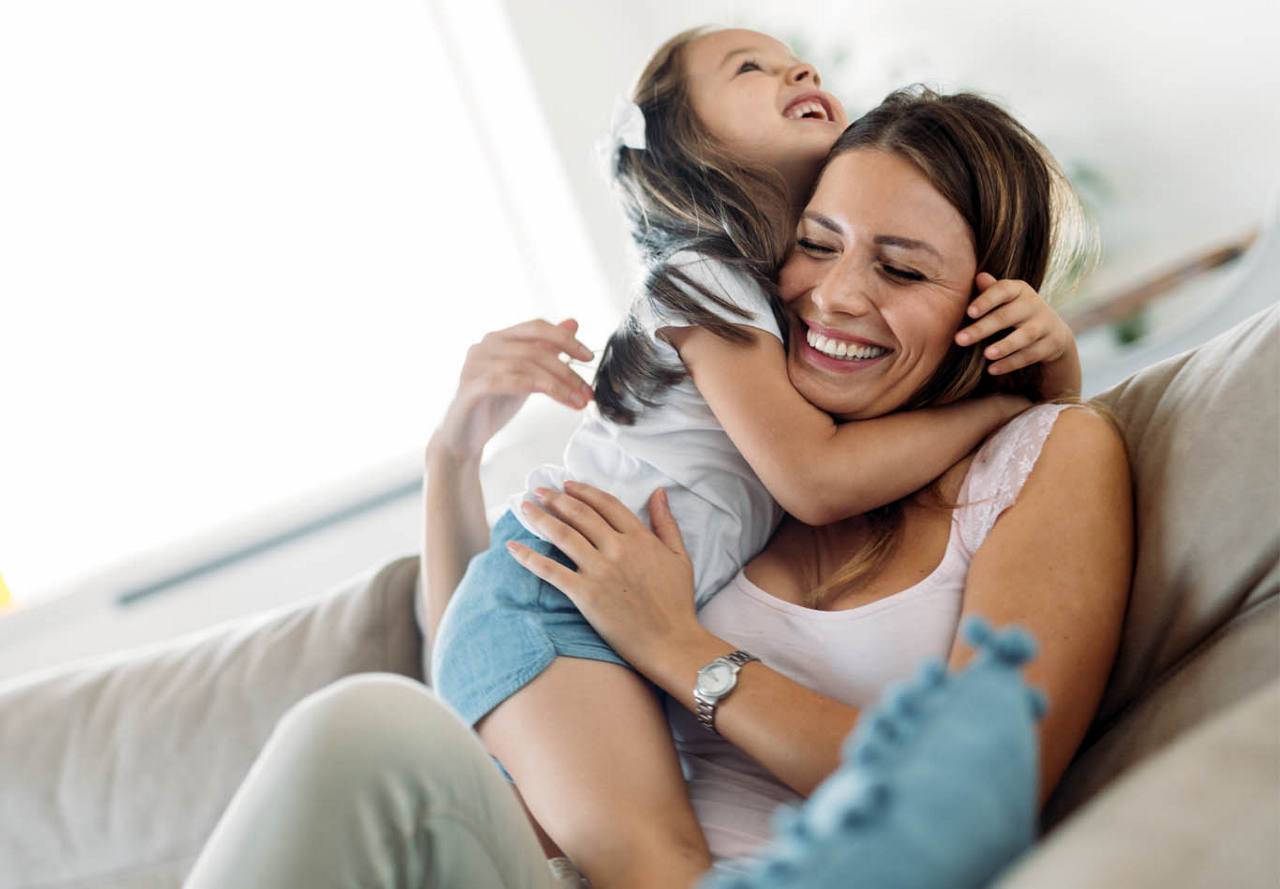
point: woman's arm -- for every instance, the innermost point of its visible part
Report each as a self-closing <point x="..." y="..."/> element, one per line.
<point x="1073" y="514"/>
<point x="454" y="524"/>
<point x="821" y="471"/>
<point x="500" y="373"/>
<point x="635" y="586"/>
<point x="1059" y="563"/>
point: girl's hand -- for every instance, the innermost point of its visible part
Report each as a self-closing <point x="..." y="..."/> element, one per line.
<point x="633" y="585"/>
<point x="1039" y="334"/>
<point x="501" y="372"/>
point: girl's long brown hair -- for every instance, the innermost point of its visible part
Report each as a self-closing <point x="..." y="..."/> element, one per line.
<point x="685" y="192"/>
<point x="1026" y="222"/>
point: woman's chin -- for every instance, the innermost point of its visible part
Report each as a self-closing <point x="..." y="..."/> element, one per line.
<point x="839" y="395"/>
<point x="827" y="398"/>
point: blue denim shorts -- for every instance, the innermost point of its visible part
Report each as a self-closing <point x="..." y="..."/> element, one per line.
<point x="504" y="626"/>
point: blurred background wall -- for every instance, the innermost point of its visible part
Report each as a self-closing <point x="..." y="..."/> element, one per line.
<point x="1166" y="114"/>
<point x="243" y="246"/>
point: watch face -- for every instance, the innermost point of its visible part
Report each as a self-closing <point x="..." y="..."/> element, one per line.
<point x="715" y="679"/>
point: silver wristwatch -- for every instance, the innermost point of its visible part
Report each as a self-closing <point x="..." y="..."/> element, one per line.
<point x="715" y="681"/>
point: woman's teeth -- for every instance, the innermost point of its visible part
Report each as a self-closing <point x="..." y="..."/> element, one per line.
<point x="841" y="349"/>
<point x="805" y="109"/>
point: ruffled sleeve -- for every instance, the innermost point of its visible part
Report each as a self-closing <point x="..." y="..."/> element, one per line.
<point x="1000" y="469"/>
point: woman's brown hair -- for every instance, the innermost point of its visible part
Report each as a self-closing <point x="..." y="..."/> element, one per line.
<point x="684" y="192"/>
<point x="1026" y="222"/>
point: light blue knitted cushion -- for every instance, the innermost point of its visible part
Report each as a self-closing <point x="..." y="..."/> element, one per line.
<point x="937" y="791"/>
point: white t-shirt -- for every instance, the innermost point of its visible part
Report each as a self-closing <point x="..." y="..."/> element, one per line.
<point x="725" y="513"/>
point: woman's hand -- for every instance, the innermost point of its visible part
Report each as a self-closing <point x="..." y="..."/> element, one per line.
<point x="633" y="585"/>
<point x="501" y="372"/>
<point x="1039" y="334"/>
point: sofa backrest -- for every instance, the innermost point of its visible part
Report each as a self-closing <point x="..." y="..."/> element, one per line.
<point x="1203" y="436"/>
<point x="114" y="772"/>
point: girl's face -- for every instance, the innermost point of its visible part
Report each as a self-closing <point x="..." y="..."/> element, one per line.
<point x="882" y="270"/>
<point x="763" y="104"/>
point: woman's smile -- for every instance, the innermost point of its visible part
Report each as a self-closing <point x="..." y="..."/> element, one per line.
<point x="829" y="350"/>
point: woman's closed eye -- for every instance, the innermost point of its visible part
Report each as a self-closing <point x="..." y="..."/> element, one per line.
<point x="901" y="274"/>
<point x="813" y="247"/>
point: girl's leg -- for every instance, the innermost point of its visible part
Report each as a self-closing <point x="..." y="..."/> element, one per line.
<point x="372" y="782"/>
<point x="589" y="747"/>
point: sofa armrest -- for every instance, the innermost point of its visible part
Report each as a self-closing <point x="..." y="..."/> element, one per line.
<point x="1204" y="812"/>
<point x="114" y="772"/>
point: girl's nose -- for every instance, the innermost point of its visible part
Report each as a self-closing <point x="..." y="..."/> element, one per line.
<point x="802" y="72"/>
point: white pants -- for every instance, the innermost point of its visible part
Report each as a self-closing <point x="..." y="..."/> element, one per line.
<point x="372" y="782"/>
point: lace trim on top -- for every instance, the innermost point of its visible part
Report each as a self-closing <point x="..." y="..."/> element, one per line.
<point x="1000" y="469"/>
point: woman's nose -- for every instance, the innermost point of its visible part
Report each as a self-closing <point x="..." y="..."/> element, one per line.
<point x="842" y="293"/>
<point x="803" y="71"/>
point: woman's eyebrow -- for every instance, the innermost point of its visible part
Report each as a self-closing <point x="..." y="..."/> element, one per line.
<point x="908" y="243"/>
<point x="880" y="240"/>
<point x="825" y="221"/>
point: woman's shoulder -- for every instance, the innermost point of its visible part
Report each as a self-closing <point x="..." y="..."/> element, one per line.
<point x="1026" y="434"/>
<point x="1068" y="442"/>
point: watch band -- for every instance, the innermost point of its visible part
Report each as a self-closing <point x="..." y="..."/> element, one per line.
<point x="706" y="709"/>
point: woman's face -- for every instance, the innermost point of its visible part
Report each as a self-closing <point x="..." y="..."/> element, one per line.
<point x="762" y="103"/>
<point x="877" y="285"/>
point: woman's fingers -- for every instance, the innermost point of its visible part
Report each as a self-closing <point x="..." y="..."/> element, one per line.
<point x="524" y="381"/>
<point x="541" y="371"/>
<point x="558" y="335"/>
<point x="609" y="507"/>
<point x="567" y="538"/>
<point x="581" y="516"/>
<point x="664" y="522"/>
<point x="559" y="576"/>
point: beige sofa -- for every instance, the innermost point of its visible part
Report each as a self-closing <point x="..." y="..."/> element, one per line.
<point x="112" y="774"/>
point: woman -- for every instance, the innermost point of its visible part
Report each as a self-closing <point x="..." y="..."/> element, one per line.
<point x="845" y="608"/>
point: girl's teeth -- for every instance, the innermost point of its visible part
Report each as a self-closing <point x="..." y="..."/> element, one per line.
<point x="800" y="111"/>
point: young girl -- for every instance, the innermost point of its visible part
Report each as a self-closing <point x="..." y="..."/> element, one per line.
<point x="692" y="396"/>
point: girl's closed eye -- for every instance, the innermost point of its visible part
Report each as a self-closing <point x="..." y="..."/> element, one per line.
<point x="749" y="65"/>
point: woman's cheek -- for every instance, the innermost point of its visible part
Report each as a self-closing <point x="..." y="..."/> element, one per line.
<point x="791" y="279"/>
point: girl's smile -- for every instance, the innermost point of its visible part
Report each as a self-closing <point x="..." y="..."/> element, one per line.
<point x="763" y="104"/>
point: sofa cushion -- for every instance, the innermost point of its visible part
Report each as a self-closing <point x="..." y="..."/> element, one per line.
<point x="114" y="773"/>
<point x="1202" y="431"/>
<point x="1203" y="434"/>
<point x="1202" y="814"/>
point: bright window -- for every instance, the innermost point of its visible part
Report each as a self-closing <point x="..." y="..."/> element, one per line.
<point x="243" y="247"/>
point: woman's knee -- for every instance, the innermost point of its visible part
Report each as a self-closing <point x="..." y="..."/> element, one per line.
<point x="377" y="720"/>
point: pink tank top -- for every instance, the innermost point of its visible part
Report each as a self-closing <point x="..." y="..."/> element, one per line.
<point x="849" y="655"/>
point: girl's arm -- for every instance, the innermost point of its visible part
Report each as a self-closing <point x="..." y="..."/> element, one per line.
<point x="819" y="470"/>
<point x="1074" y="513"/>
<point x="500" y="373"/>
